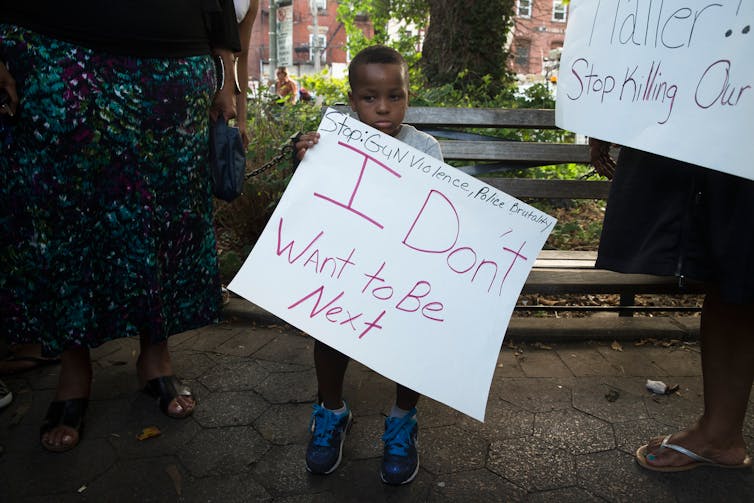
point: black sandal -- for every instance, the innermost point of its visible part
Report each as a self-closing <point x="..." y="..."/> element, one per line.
<point x="166" y="389"/>
<point x="69" y="413"/>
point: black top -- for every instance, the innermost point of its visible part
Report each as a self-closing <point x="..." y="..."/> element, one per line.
<point x="144" y="28"/>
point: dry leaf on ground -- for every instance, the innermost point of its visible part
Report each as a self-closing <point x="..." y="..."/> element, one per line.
<point x="149" y="432"/>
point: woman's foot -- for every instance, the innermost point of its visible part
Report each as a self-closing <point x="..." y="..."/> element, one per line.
<point x="63" y="424"/>
<point x="689" y="449"/>
<point x="23" y="357"/>
<point x="156" y="378"/>
<point x="61" y="430"/>
<point x="170" y="392"/>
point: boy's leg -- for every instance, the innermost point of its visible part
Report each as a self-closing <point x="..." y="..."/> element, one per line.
<point x="727" y="333"/>
<point x="331" y="368"/>
<point x="400" y="459"/>
<point x="331" y="418"/>
<point x="405" y="398"/>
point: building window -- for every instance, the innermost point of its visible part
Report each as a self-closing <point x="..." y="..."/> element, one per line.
<point x="524" y="8"/>
<point x="559" y="11"/>
<point x="321" y="41"/>
<point x="523" y="48"/>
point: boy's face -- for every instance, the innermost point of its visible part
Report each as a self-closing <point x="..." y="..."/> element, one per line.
<point x="380" y="96"/>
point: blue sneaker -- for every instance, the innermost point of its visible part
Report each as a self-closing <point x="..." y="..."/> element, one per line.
<point x="325" y="448"/>
<point x="400" y="460"/>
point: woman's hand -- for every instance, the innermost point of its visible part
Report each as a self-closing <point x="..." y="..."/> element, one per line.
<point x="8" y="94"/>
<point x="599" y="157"/>
<point x="304" y="143"/>
<point x="224" y="102"/>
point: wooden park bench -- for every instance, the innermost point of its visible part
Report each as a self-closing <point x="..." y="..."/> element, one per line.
<point x="556" y="272"/>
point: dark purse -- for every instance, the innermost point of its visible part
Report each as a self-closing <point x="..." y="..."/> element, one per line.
<point x="227" y="160"/>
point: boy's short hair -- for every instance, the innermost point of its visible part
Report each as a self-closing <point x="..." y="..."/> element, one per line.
<point x="379" y="54"/>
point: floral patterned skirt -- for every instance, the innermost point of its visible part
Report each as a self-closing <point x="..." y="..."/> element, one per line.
<point x="105" y="201"/>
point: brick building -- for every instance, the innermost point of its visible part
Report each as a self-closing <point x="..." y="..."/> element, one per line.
<point x="537" y="37"/>
<point x="332" y="40"/>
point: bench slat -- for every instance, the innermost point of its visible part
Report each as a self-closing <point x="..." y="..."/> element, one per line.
<point x="544" y="153"/>
<point x="589" y="255"/>
<point x="551" y="189"/>
<point x="529" y="118"/>
<point x="566" y="259"/>
<point x="585" y="281"/>
<point x="563" y="264"/>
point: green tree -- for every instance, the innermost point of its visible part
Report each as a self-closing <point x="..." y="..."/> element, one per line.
<point x="412" y="13"/>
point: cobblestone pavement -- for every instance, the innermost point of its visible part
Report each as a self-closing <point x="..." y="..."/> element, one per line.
<point x="563" y="422"/>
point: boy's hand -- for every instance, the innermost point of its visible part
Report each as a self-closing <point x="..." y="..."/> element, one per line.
<point x="304" y="143"/>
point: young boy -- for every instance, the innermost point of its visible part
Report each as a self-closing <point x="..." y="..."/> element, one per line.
<point x="378" y="77"/>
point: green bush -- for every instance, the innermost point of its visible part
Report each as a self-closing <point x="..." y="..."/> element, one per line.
<point x="328" y="90"/>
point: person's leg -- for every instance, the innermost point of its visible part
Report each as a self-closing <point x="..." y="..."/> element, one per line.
<point x="405" y="398"/>
<point x="22" y="357"/>
<point x="154" y="361"/>
<point x="727" y="333"/>
<point x="331" y="368"/>
<point x="331" y="418"/>
<point x="400" y="459"/>
<point x="74" y="382"/>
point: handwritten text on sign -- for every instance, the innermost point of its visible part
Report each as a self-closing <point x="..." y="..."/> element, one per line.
<point x="396" y="259"/>
<point x="670" y="77"/>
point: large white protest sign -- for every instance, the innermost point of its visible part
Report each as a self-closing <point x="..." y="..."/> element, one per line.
<point x="670" y="77"/>
<point x="396" y="259"/>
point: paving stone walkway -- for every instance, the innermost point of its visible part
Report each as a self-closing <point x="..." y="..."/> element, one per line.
<point x="563" y="422"/>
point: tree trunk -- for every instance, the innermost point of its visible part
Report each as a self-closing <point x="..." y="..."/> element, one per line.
<point x="466" y="37"/>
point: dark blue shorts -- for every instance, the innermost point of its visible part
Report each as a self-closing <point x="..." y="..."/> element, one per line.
<point x="671" y="218"/>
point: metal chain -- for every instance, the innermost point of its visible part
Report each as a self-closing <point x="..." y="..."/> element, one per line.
<point x="285" y="150"/>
